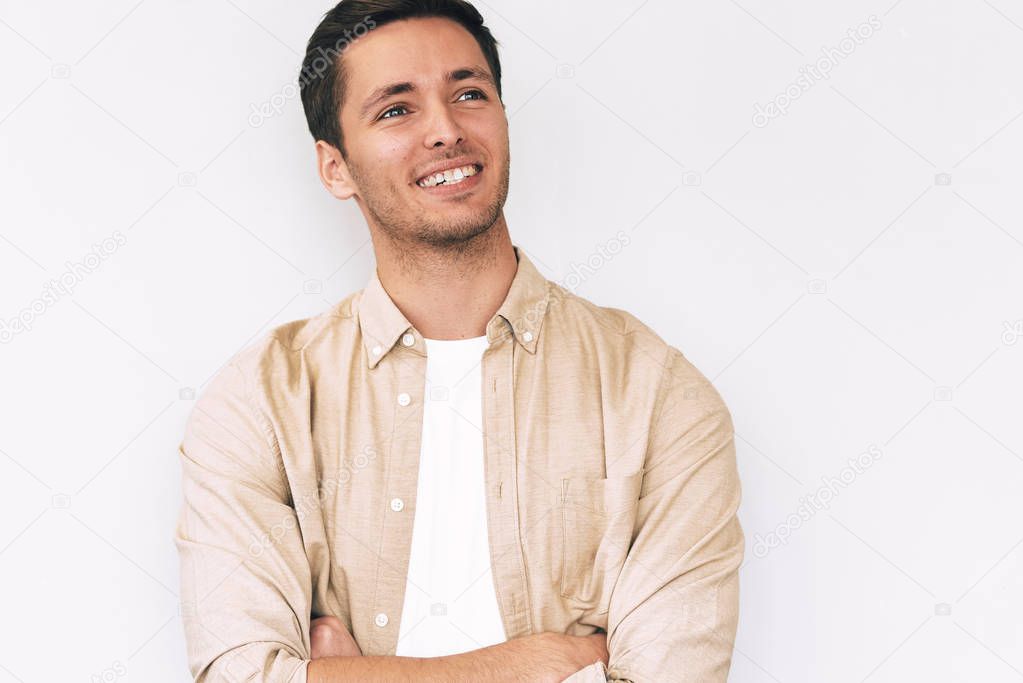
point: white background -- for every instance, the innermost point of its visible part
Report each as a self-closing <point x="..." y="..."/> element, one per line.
<point x="849" y="275"/>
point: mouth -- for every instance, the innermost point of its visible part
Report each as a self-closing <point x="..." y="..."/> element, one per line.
<point x="465" y="176"/>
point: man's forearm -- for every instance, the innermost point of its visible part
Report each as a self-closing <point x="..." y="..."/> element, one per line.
<point x="542" y="657"/>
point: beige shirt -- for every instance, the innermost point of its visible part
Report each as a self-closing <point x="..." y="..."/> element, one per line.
<point x="611" y="489"/>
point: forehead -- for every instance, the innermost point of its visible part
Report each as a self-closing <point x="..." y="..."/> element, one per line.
<point x="417" y="50"/>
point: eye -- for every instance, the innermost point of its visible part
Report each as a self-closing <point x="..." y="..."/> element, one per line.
<point x="480" y="95"/>
<point x="389" y="110"/>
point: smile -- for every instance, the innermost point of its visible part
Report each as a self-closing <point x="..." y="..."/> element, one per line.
<point x="451" y="176"/>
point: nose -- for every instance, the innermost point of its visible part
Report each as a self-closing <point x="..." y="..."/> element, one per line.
<point x="443" y="129"/>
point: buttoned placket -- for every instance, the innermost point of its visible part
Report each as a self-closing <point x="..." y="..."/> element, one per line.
<point x="407" y="364"/>
<point x="500" y="478"/>
<point x="500" y="475"/>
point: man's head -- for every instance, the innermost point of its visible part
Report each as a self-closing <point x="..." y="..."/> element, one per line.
<point x="395" y="90"/>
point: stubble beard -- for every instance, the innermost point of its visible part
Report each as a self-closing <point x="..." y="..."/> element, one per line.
<point x="398" y="223"/>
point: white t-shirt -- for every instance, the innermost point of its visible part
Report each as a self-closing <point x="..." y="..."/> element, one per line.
<point x="450" y="603"/>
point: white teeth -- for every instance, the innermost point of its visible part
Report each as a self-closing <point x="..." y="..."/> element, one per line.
<point x="448" y="177"/>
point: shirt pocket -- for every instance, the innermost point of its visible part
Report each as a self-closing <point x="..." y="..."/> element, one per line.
<point x="597" y="519"/>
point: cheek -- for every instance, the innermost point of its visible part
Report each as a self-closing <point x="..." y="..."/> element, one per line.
<point x="498" y="134"/>
<point x="388" y="146"/>
<point x="391" y="161"/>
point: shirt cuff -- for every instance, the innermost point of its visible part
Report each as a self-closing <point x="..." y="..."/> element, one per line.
<point x="594" y="673"/>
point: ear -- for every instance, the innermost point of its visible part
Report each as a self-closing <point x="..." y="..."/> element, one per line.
<point x="333" y="169"/>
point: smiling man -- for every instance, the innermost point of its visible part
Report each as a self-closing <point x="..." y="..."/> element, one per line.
<point x="462" y="472"/>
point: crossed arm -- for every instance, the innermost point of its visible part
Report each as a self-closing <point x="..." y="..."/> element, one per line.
<point x="246" y="607"/>
<point x="673" y="612"/>
<point x="545" y="658"/>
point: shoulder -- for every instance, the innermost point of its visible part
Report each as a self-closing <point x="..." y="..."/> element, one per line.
<point x="618" y="335"/>
<point x="277" y="355"/>
<point x="610" y="331"/>
<point x="606" y="323"/>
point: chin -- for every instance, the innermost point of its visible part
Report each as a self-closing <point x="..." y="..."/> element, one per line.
<point x="455" y="230"/>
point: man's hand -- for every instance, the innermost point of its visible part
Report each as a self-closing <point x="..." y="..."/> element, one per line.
<point x="330" y="638"/>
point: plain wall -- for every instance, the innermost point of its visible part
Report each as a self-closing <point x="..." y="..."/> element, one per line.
<point x="849" y="273"/>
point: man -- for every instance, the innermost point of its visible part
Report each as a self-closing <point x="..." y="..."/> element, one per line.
<point x="463" y="471"/>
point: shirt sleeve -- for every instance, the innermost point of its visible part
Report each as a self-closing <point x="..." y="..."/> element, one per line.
<point x="594" y="673"/>
<point x="245" y="579"/>
<point x="674" y="610"/>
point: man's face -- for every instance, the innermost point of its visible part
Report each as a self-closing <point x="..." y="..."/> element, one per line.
<point x="441" y="123"/>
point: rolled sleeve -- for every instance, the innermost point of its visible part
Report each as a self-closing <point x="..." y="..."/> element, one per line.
<point x="245" y="578"/>
<point x="594" y="673"/>
<point x="674" y="610"/>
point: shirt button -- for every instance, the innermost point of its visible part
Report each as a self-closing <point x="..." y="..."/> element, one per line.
<point x="408" y="339"/>
<point x="397" y="504"/>
<point x="377" y="350"/>
<point x="404" y="399"/>
<point x="381" y="620"/>
<point x="527" y="337"/>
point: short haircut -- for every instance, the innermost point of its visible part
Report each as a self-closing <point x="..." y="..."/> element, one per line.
<point x="323" y="81"/>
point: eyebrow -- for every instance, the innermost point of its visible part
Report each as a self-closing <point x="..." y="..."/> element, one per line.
<point x="382" y="93"/>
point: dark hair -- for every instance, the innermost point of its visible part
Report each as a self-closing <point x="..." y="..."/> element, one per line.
<point x="323" y="80"/>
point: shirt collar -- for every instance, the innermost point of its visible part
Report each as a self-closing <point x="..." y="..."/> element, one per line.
<point x="521" y="314"/>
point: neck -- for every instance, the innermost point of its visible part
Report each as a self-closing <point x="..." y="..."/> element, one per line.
<point x="450" y="291"/>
